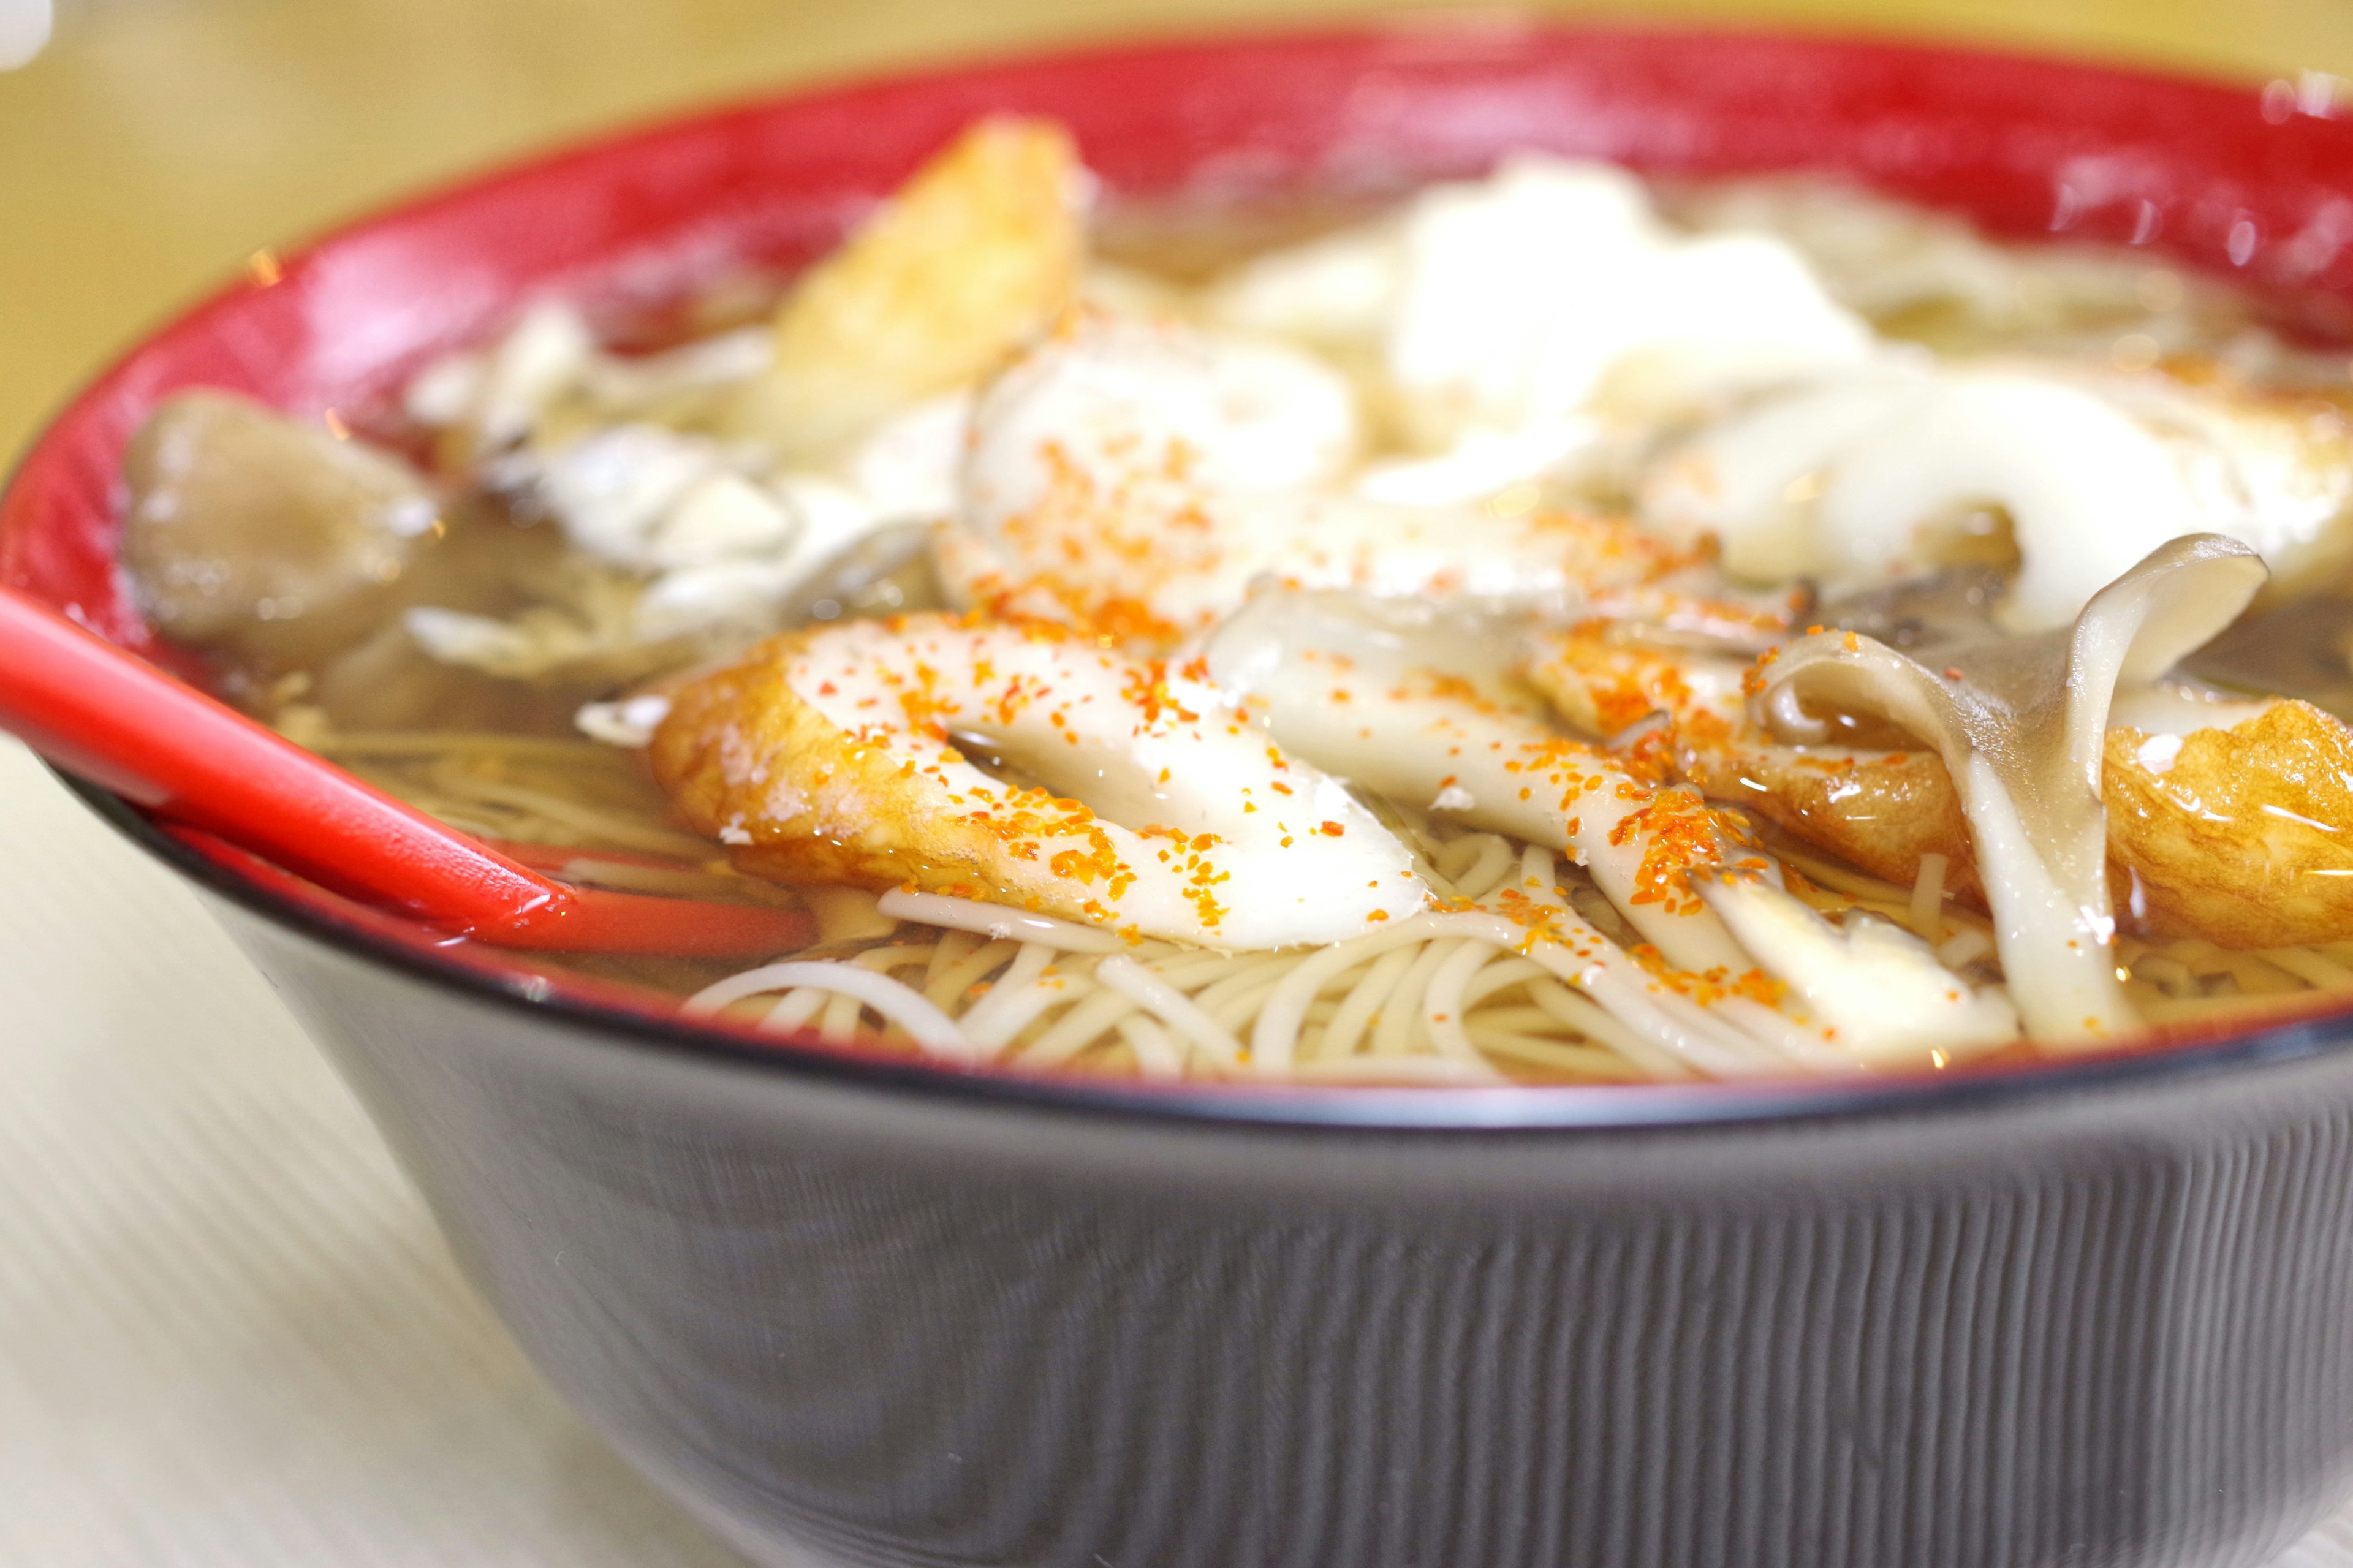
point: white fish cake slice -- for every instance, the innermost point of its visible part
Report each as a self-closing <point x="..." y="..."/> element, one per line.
<point x="840" y="756"/>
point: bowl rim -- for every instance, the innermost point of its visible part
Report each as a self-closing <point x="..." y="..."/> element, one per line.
<point x="1335" y="1109"/>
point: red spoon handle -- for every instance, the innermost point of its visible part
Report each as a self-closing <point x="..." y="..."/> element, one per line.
<point x="119" y="721"/>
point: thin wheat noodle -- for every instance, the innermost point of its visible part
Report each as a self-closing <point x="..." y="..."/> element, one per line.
<point x="1346" y="1030"/>
<point x="2258" y="976"/>
<point x="1450" y="859"/>
<point x="611" y="826"/>
<point x="1187" y="969"/>
<point x="1077" y="1030"/>
<point x="1926" y="910"/>
<point x="794" y="1009"/>
<point x="1442" y="1070"/>
<point x="1443" y="1004"/>
<point x="1965" y="946"/>
<point x="443" y="743"/>
<point x="1400" y="1027"/>
<point x="2191" y="1009"/>
<point x="948" y="988"/>
<point x="837" y="1025"/>
<point x="1529" y="1019"/>
<point x="953" y="946"/>
<point x="1857" y="884"/>
<point x="1023" y="991"/>
<point x="1487" y="873"/>
<point x="1246" y="974"/>
<point x="1500" y="975"/>
<point x="1274" y="1036"/>
<point x="1590" y="1062"/>
<point x="1580" y="1013"/>
<point x="885" y="959"/>
<point x="1172" y="1007"/>
<point x="1239" y="1008"/>
<point x="1783" y="1036"/>
<point x="2323" y="973"/>
<point x="929" y="1027"/>
<point x="1156" y="1056"/>
<point x="996" y="920"/>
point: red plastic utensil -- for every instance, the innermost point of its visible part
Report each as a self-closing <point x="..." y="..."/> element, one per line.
<point x="118" y="722"/>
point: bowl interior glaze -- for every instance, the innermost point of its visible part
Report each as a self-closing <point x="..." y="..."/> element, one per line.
<point x="2225" y="179"/>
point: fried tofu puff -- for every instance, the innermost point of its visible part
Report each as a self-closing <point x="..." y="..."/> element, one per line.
<point x="1881" y="809"/>
<point x="2238" y="834"/>
<point x="847" y="757"/>
<point x="2241" y="835"/>
<point x="978" y="252"/>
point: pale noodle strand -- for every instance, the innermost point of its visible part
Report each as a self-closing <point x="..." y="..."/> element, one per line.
<point x="1500" y="975"/>
<point x="1023" y="991"/>
<point x="1400" y="1027"/>
<point x="837" y="1025"/>
<point x="1443" y="1005"/>
<point x="1965" y="946"/>
<point x="994" y="920"/>
<point x="1186" y="971"/>
<point x="1243" y="976"/>
<point x="1172" y="1007"/>
<point x="1579" y="1014"/>
<point x="1273" y="1039"/>
<point x="1488" y="871"/>
<point x="1354" y="1014"/>
<point x="1237" y="1007"/>
<point x="886" y="959"/>
<point x="926" y="1025"/>
<point x="1435" y="1070"/>
<point x="1927" y="910"/>
<point x="1794" y="1042"/>
<point x="1451" y="860"/>
<point x="1156" y="1056"/>
<point x="1591" y="1063"/>
<point x="954" y="946"/>
<point x="795" y="1008"/>
<point x="613" y="827"/>
<point x="1080" y="1027"/>
<point x="947" y="989"/>
<point x="2323" y="973"/>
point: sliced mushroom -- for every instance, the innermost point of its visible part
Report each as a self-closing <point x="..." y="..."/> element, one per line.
<point x="265" y="537"/>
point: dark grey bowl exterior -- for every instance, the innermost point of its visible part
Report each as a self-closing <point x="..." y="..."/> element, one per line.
<point x="855" y="1317"/>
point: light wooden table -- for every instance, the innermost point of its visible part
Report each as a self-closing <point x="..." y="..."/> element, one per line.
<point x="227" y="1334"/>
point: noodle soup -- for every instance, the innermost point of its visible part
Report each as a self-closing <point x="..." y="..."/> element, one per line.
<point x="1552" y="630"/>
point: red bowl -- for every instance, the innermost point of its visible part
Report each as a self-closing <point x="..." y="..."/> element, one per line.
<point x="2087" y="1313"/>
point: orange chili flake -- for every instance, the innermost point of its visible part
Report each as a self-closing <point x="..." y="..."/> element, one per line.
<point x="1332" y="829"/>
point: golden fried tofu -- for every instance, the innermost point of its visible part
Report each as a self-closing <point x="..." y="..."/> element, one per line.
<point x="1881" y="810"/>
<point x="980" y="250"/>
<point x="715" y="754"/>
<point x="2241" y="835"/>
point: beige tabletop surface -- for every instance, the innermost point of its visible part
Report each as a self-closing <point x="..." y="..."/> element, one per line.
<point x="229" y="1334"/>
